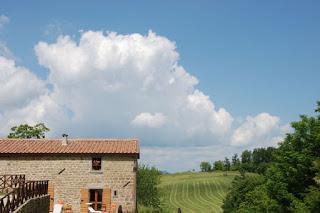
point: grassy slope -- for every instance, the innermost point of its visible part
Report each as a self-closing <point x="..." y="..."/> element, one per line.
<point x="195" y="192"/>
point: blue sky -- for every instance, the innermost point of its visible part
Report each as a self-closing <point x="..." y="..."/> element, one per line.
<point x="248" y="56"/>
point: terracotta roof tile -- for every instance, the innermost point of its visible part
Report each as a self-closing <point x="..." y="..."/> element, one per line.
<point x="74" y="146"/>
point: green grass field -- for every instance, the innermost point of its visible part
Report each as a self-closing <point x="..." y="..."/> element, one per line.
<point x="195" y="192"/>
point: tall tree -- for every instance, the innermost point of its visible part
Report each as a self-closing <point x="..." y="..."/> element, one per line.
<point x="294" y="172"/>
<point x="218" y="165"/>
<point x="241" y="186"/>
<point x="148" y="179"/>
<point x="27" y="131"/>
<point x="246" y="161"/>
<point x="261" y="158"/>
<point x="227" y="164"/>
<point x="246" y="156"/>
<point x="205" y="166"/>
<point x="235" y="162"/>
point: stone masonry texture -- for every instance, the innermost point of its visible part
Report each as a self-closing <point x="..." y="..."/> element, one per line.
<point x="118" y="173"/>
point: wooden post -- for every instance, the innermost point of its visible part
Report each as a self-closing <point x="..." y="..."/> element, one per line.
<point x="51" y="193"/>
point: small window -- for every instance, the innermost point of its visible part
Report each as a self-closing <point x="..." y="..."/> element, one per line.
<point x="96" y="164"/>
<point x="115" y="193"/>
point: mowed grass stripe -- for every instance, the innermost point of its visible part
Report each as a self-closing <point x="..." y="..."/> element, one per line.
<point x="196" y="203"/>
<point x="172" y="202"/>
<point x="216" y="203"/>
<point x="210" y="191"/>
<point x="187" y="198"/>
<point x="174" y="190"/>
<point x="214" y="196"/>
<point x="201" y="197"/>
<point x="218" y="189"/>
<point x="202" y="192"/>
<point x="211" y="196"/>
<point x="196" y="192"/>
<point x="185" y="204"/>
<point x="223" y="189"/>
<point x="200" y="203"/>
<point x="177" y="196"/>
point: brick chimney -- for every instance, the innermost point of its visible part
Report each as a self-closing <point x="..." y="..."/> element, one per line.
<point x="64" y="139"/>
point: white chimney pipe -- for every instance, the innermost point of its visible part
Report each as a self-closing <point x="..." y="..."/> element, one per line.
<point x="65" y="139"/>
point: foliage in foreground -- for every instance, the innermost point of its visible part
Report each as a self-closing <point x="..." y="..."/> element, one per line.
<point x="249" y="195"/>
<point x="291" y="181"/>
<point x="148" y="179"/>
<point x="27" y="131"/>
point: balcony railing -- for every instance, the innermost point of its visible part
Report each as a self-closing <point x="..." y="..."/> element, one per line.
<point x="26" y="191"/>
<point x="11" y="181"/>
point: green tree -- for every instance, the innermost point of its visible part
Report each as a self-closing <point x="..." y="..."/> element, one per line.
<point x="261" y="158"/>
<point x="291" y="178"/>
<point x="240" y="187"/>
<point x="148" y="179"/>
<point x="218" y="165"/>
<point x="246" y="156"/>
<point x="258" y="200"/>
<point x="205" y="166"/>
<point x="316" y="166"/>
<point x="27" y="131"/>
<point x="312" y="199"/>
<point x="226" y="164"/>
<point x="295" y="159"/>
<point x="235" y="162"/>
<point x="246" y="161"/>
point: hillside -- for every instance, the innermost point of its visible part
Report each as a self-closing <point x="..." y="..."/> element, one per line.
<point x="195" y="192"/>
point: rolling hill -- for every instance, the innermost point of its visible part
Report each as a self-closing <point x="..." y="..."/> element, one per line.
<point x="195" y="192"/>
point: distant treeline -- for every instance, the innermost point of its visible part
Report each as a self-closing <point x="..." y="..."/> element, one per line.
<point x="249" y="161"/>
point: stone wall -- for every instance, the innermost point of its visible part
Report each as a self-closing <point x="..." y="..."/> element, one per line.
<point x="35" y="205"/>
<point x="117" y="173"/>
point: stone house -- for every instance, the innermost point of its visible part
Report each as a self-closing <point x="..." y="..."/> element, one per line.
<point x="80" y="171"/>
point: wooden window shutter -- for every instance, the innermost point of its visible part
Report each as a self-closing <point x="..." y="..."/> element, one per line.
<point x="106" y="199"/>
<point x="84" y="199"/>
<point x="51" y="193"/>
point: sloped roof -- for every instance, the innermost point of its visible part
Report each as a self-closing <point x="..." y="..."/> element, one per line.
<point x="74" y="146"/>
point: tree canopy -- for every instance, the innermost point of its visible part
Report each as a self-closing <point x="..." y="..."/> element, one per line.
<point x="218" y="165"/>
<point x="291" y="178"/>
<point x="205" y="167"/>
<point x="27" y="131"/>
<point x="148" y="179"/>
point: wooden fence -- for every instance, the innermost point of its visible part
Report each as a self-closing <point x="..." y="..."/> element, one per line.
<point x="11" y="181"/>
<point x="23" y="193"/>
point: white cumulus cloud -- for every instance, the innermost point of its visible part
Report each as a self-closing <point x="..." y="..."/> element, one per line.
<point x="149" y="120"/>
<point x="205" y="117"/>
<point x="18" y="86"/>
<point x="113" y="85"/>
<point x="109" y="79"/>
<point x="262" y="129"/>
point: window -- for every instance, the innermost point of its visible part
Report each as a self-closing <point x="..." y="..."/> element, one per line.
<point x="115" y="193"/>
<point x="96" y="198"/>
<point x="96" y="164"/>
